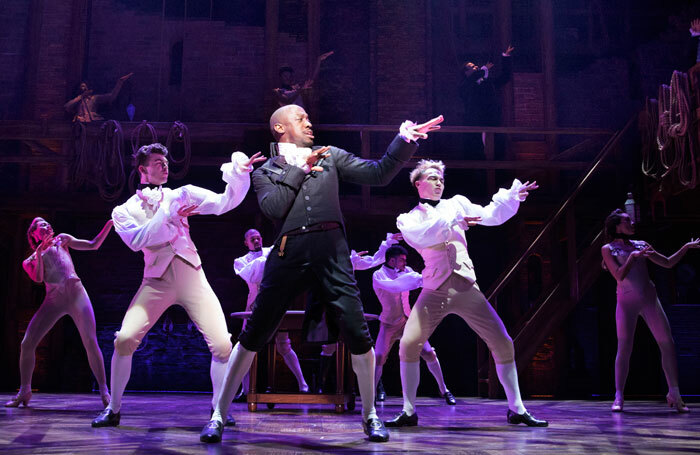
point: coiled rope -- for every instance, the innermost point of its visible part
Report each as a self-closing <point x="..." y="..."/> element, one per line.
<point x="676" y="146"/>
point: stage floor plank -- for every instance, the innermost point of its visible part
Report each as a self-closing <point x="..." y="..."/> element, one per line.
<point x="170" y="423"/>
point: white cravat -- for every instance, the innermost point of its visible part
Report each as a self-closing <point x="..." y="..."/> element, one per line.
<point x="295" y="156"/>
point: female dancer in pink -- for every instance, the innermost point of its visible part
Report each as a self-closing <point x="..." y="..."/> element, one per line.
<point x="65" y="294"/>
<point x="636" y="296"/>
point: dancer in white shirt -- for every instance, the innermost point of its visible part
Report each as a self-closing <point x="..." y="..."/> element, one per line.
<point x="392" y="284"/>
<point x="250" y="267"/>
<point x="154" y="221"/>
<point x="51" y="264"/>
<point x="435" y="228"/>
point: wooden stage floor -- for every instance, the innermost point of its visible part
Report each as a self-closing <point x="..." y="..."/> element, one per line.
<point x="170" y="423"/>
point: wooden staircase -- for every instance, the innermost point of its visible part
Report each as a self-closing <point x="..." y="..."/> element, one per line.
<point x="582" y="268"/>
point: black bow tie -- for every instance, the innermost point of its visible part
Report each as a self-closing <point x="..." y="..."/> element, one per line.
<point x="429" y="201"/>
<point x="148" y="185"/>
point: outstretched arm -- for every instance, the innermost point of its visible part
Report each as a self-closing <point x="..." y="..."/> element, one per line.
<point x="370" y="172"/>
<point x="361" y="262"/>
<point x="669" y="262"/>
<point x="236" y="174"/>
<point x="111" y="96"/>
<point x="503" y="205"/>
<point x="309" y="83"/>
<point x="80" y="244"/>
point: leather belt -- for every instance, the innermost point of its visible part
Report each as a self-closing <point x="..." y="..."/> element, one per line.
<point x="325" y="226"/>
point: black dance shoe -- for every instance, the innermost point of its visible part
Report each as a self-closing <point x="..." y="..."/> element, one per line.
<point x="449" y="398"/>
<point x="374" y="428"/>
<point x="381" y="394"/>
<point x="403" y="420"/>
<point x="240" y="397"/>
<point x="212" y="432"/>
<point x="230" y="421"/>
<point x="107" y="418"/>
<point x="526" y="418"/>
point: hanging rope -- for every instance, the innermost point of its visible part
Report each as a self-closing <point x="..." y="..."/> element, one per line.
<point x="179" y="133"/>
<point x="111" y="176"/>
<point x="648" y="127"/>
<point x="137" y="141"/>
<point x="81" y="165"/>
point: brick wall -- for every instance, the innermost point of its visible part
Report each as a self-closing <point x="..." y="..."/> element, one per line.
<point x="400" y="61"/>
<point x="13" y="27"/>
<point x="222" y="71"/>
<point x="528" y="99"/>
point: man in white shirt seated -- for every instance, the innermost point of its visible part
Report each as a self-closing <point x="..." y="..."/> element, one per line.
<point x="155" y="222"/>
<point x="392" y="284"/>
<point x="435" y="228"/>
<point x="250" y="267"/>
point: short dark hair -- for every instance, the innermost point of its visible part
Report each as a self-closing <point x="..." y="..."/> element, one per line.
<point x="30" y="232"/>
<point x="286" y="69"/>
<point x="611" y="223"/>
<point x="140" y="156"/>
<point x="395" y="251"/>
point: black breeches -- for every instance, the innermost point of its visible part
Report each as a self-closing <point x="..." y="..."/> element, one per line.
<point x="319" y="261"/>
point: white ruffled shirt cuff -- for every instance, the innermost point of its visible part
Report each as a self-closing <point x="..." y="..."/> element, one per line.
<point x="511" y="194"/>
<point x="237" y="165"/>
<point x="405" y="132"/>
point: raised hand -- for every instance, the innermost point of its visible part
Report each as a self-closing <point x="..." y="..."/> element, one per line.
<point x="694" y="243"/>
<point x="322" y="57"/>
<point x="489" y="65"/>
<point x="125" y="77"/>
<point x="188" y="210"/>
<point x="695" y="27"/>
<point x="398" y="236"/>
<point x="526" y="188"/>
<point x="508" y="51"/>
<point x="361" y="253"/>
<point x="421" y="131"/>
<point x="317" y="155"/>
<point x="256" y="158"/>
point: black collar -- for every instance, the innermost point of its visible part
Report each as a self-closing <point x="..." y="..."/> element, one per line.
<point x="148" y="185"/>
<point x="429" y="201"/>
